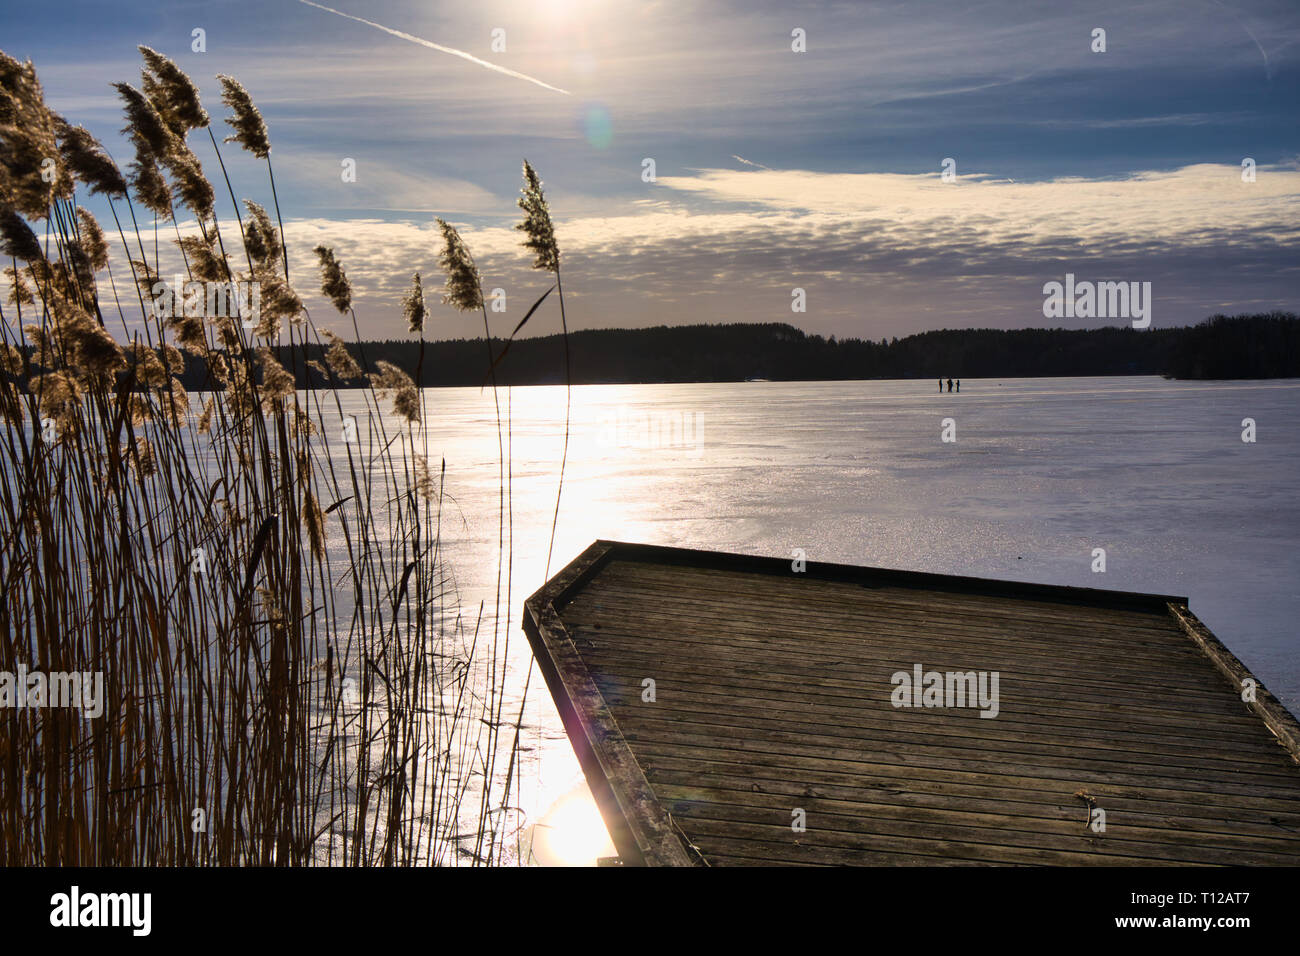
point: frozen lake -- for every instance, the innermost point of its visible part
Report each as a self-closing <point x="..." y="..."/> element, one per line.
<point x="1042" y="471"/>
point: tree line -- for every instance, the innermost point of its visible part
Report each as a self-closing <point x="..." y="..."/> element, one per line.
<point x="1221" y="347"/>
<point x="1243" y="346"/>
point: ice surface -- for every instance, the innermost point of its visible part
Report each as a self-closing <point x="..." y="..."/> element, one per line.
<point x="1042" y="472"/>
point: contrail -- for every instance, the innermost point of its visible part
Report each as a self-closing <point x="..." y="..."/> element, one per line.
<point x="742" y="159"/>
<point x="1268" y="69"/>
<point x="435" y="46"/>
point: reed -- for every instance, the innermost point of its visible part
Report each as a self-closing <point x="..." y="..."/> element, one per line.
<point x="256" y="573"/>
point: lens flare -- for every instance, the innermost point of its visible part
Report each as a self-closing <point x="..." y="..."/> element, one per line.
<point x="598" y="126"/>
<point x="572" y="832"/>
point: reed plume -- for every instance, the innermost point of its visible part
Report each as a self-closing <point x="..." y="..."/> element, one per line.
<point x="413" y="308"/>
<point x="334" y="283"/>
<point x="150" y="187"/>
<point x="11" y="360"/>
<point x="260" y="237"/>
<point x="145" y="127"/>
<point x="204" y="260"/>
<point x="406" y="400"/>
<point x="251" y="134"/>
<point x="188" y="330"/>
<point x="277" y="383"/>
<point x="32" y="172"/>
<point x="58" y="396"/>
<point x="314" y="521"/>
<point x="279" y="301"/>
<point x="148" y="367"/>
<point x="92" y="240"/>
<point x="172" y="93"/>
<point x="20" y="293"/>
<point x="247" y="123"/>
<point x="537" y="225"/>
<point x="16" y="237"/>
<point x="89" y="162"/>
<point x="464" y="288"/>
<point x="339" y="358"/>
<point x="191" y="187"/>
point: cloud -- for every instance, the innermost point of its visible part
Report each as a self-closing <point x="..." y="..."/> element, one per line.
<point x="381" y="186"/>
<point x="884" y="252"/>
<point x="879" y="254"/>
<point x="1178" y="204"/>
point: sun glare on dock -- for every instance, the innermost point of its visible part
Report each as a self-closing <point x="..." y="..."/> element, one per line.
<point x="572" y="832"/>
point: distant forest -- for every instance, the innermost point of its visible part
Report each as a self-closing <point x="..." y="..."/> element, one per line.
<point x="1244" y="346"/>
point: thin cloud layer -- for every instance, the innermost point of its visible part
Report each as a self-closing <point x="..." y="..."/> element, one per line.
<point x="777" y="230"/>
<point x="878" y="254"/>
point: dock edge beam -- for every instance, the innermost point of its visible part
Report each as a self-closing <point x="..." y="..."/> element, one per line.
<point x="1268" y="708"/>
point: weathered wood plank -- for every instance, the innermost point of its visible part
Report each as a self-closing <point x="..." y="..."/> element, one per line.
<point x="810" y="769"/>
<point x="1021" y="747"/>
<point x="1077" y="634"/>
<point x="1182" y="817"/>
<point x="838" y="822"/>
<point x="1100" y="734"/>
<point x="1059" y="766"/>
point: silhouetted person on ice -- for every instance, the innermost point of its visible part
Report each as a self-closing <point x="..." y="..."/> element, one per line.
<point x="959" y="385"/>
<point x="950" y="385"/>
<point x="941" y="385"/>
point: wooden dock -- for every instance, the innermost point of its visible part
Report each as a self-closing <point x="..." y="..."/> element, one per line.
<point x="729" y="710"/>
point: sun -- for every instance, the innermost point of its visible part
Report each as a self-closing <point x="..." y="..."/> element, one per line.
<point x="572" y="833"/>
<point x="559" y="9"/>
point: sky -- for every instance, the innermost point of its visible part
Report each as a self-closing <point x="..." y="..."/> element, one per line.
<point x="774" y="169"/>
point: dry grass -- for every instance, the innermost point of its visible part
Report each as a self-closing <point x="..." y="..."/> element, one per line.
<point x="283" y="659"/>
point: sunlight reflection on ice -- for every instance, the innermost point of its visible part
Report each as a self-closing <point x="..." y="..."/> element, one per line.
<point x="1044" y="470"/>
